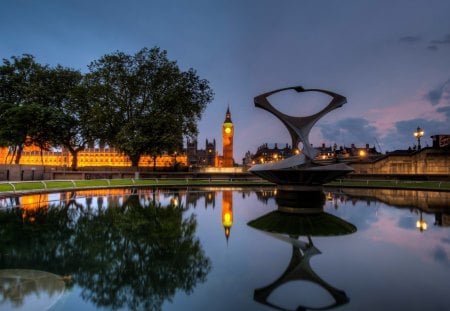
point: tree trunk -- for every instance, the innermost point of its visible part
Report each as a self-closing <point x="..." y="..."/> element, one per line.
<point x="42" y="156"/>
<point x="19" y="154"/>
<point x="13" y="152"/>
<point x="154" y="162"/>
<point x="74" y="153"/>
<point x="135" y="160"/>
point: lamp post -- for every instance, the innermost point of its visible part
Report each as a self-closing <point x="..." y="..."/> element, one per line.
<point x="418" y="133"/>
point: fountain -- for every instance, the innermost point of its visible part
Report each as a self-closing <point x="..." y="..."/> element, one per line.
<point x="300" y="172"/>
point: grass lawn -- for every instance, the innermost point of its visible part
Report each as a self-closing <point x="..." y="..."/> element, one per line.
<point x="6" y="187"/>
<point x="9" y="187"/>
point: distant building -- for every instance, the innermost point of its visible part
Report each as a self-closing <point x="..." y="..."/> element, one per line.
<point x="207" y="157"/>
<point x="267" y="153"/>
<point x="271" y="153"/>
<point x="87" y="158"/>
<point x="227" y="141"/>
<point x="441" y="141"/>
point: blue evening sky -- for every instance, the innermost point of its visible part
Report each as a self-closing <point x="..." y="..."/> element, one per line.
<point x="391" y="59"/>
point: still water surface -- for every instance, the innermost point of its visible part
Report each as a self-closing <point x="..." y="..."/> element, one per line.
<point x="193" y="249"/>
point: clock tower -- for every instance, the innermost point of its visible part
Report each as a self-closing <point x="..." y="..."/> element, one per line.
<point x="227" y="140"/>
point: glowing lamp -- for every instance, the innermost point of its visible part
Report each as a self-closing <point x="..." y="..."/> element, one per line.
<point x="418" y="134"/>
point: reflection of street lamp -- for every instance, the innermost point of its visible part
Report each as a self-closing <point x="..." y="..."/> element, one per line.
<point x="418" y="133"/>
<point x="421" y="224"/>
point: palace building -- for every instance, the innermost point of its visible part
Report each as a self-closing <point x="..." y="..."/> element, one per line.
<point x="89" y="157"/>
<point x="106" y="157"/>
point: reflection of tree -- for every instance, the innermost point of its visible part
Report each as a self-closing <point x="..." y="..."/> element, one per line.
<point x="128" y="256"/>
<point x="37" y="240"/>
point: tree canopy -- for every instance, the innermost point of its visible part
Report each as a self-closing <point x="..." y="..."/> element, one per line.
<point x="144" y="103"/>
<point x="140" y="104"/>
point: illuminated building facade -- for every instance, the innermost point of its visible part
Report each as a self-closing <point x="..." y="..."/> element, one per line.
<point x="271" y="153"/>
<point x="90" y="157"/>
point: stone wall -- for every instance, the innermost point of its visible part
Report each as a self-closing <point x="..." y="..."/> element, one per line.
<point x="427" y="161"/>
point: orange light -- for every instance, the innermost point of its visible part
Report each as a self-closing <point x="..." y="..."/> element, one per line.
<point x="91" y="157"/>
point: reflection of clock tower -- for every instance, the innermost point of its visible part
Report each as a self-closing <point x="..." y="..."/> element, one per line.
<point x="227" y="140"/>
<point x="227" y="211"/>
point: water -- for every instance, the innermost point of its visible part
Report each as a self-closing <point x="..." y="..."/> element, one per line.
<point x="194" y="250"/>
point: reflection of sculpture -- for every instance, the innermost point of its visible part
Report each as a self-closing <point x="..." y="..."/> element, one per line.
<point x="29" y="289"/>
<point x="300" y="170"/>
<point x="290" y="222"/>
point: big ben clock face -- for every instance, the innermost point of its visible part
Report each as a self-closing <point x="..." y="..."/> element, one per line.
<point x="227" y="130"/>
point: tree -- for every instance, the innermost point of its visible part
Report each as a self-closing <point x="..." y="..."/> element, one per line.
<point x="144" y="103"/>
<point x="41" y="105"/>
<point x="69" y="119"/>
<point x="18" y="80"/>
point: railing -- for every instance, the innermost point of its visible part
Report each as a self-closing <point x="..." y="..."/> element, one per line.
<point x="47" y="185"/>
<point x="407" y="184"/>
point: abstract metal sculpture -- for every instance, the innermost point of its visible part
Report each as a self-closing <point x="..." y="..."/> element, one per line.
<point x="300" y="172"/>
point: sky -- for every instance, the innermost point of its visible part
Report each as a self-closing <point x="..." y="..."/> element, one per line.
<point x="390" y="59"/>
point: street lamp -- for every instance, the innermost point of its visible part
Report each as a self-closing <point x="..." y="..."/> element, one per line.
<point x="418" y="133"/>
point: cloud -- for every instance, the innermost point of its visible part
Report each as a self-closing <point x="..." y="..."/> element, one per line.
<point x="399" y="134"/>
<point x="440" y="255"/>
<point x="441" y="92"/>
<point x="410" y="39"/>
<point x="434" y="44"/>
<point x="402" y="136"/>
<point x="444" y="110"/>
<point x="406" y="222"/>
<point x="444" y="41"/>
<point x="348" y="131"/>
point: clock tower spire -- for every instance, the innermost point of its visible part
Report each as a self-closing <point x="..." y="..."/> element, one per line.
<point x="227" y="140"/>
